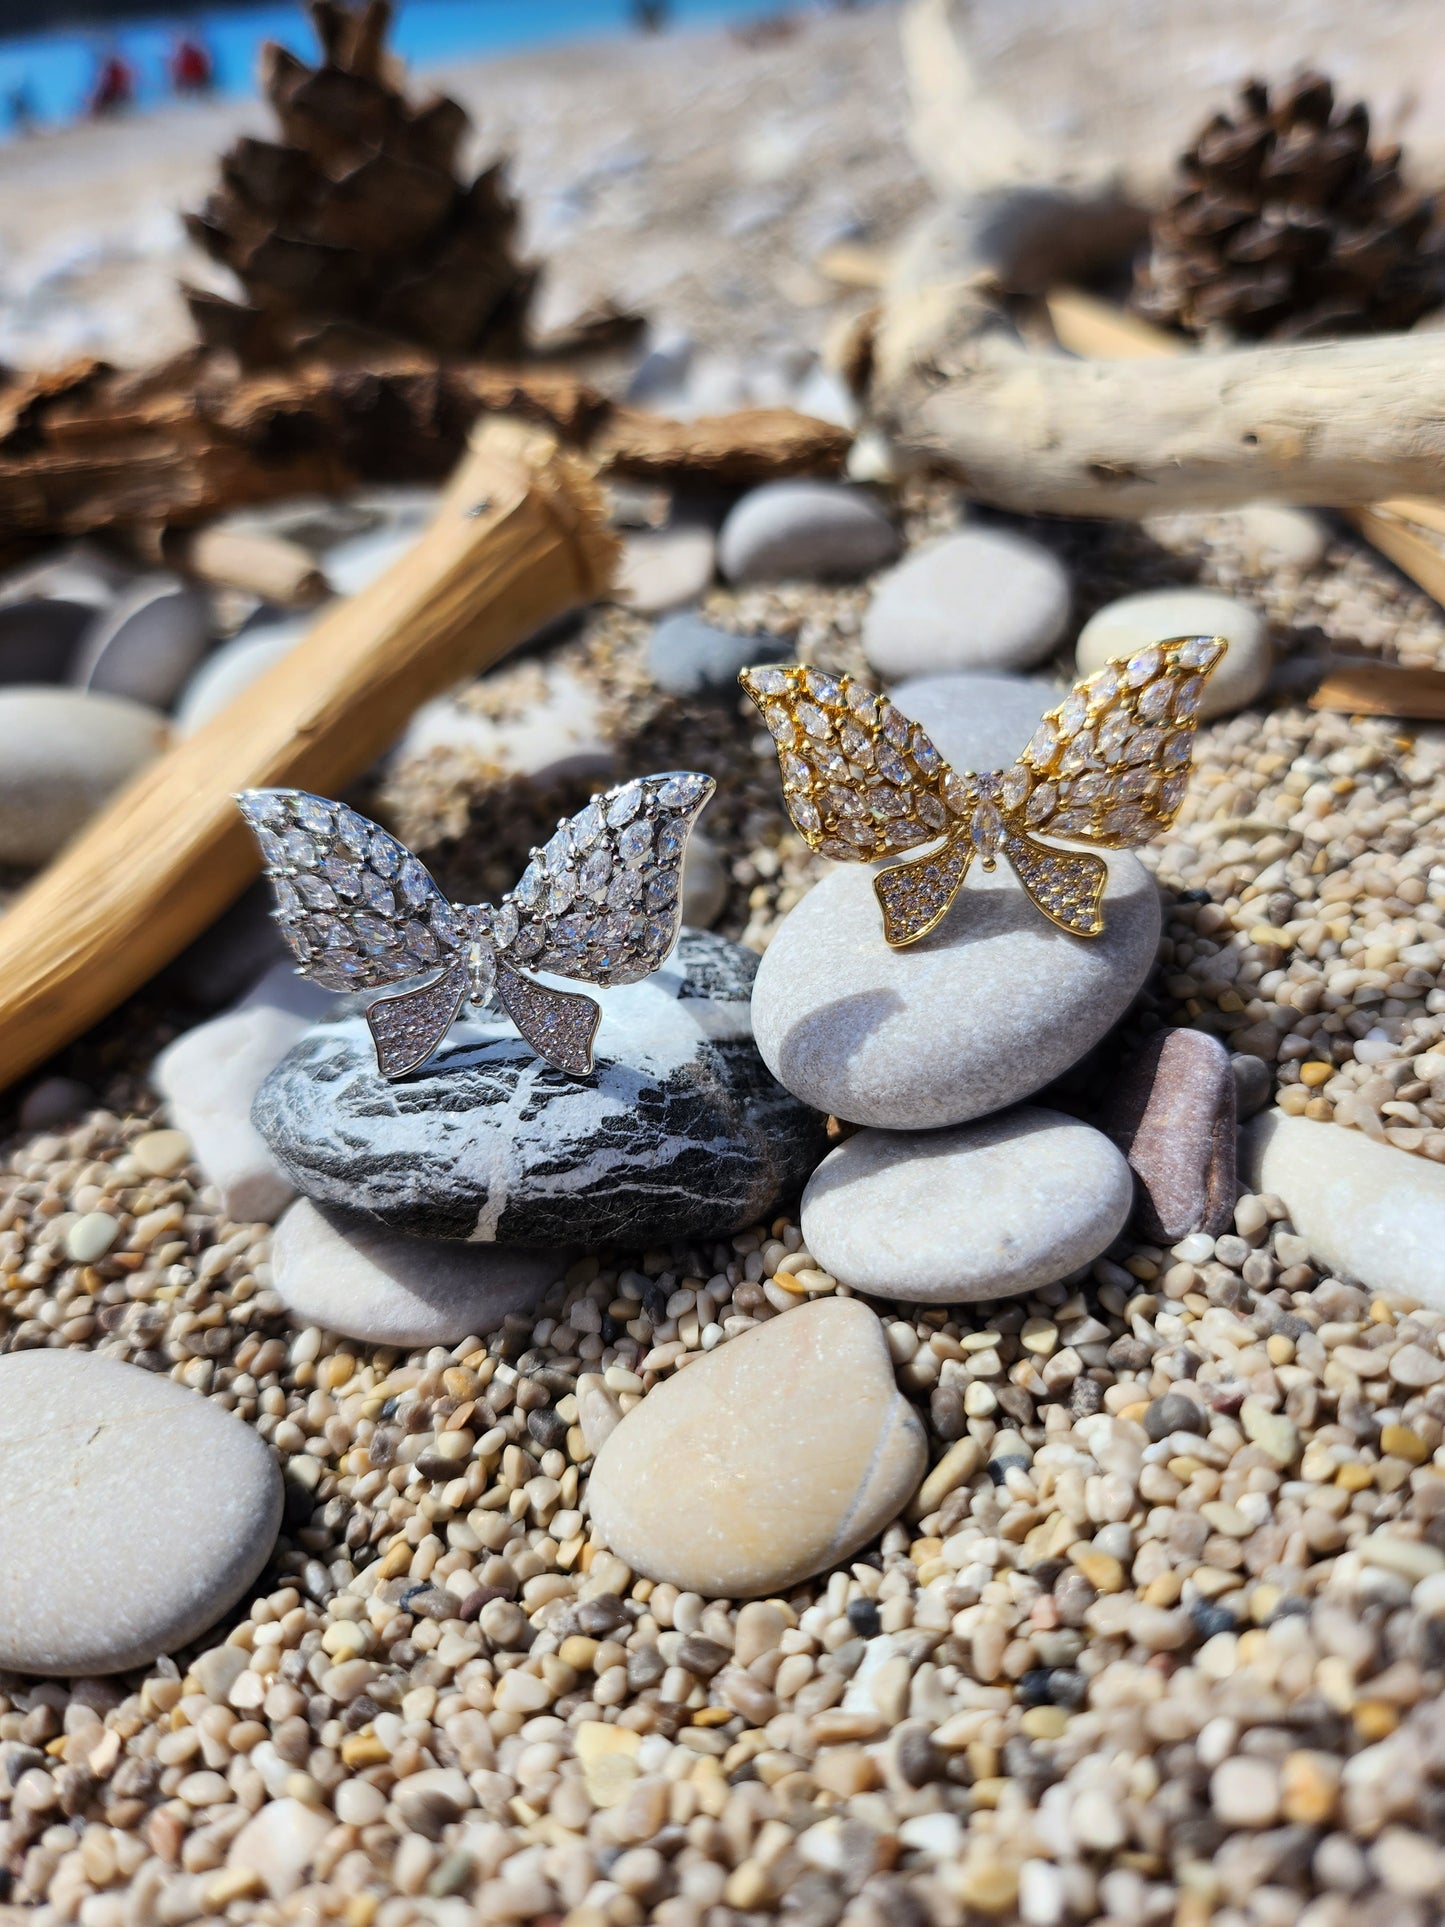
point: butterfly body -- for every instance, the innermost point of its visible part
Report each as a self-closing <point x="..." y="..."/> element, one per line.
<point x="601" y="902"/>
<point x="1106" y="767"/>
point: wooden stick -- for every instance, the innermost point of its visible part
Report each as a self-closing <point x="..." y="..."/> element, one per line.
<point x="519" y="537"/>
<point x="1381" y="689"/>
<point x="266" y="565"/>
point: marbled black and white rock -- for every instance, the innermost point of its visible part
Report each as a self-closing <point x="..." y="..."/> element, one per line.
<point x="680" y="1132"/>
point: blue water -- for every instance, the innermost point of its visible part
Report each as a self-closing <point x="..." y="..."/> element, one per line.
<point x="56" y="69"/>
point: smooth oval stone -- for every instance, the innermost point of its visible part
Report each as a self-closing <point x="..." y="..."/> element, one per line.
<point x="1121" y="627"/>
<point x="1272" y="533"/>
<point x="351" y="1276"/>
<point x="1174" y="1113"/>
<point x="62" y="752"/>
<point x="38" y="637"/>
<point x="990" y="1008"/>
<point x="664" y="568"/>
<point x="687" y="657"/>
<point x="146" y="646"/>
<point x="977" y="722"/>
<point x="772" y="1458"/>
<point x="805" y="531"/>
<point x="985" y="1210"/>
<point x="979" y="599"/>
<point x="679" y="1132"/>
<point x="1370" y="1212"/>
<point x="232" y="668"/>
<point x="133" y="1513"/>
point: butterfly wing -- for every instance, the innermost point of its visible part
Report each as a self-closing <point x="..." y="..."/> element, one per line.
<point x="860" y="779"/>
<point x="559" y="1024"/>
<point x="1109" y="766"/>
<point x="407" y="1028"/>
<point x="603" y="900"/>
<point x="356" y="907"/>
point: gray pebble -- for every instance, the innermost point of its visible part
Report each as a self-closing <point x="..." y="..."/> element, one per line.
<point x="134" y="1513"/>
<point x="665" y="568"/>
<point x="148" y="644"/>
<point x="984" y="1210"/>
<point x="978" y="599"/>
<point x="990" y="1008"/>
<point x="687" y="657"/>
<point x="52" y="1101"/>
<point x="38" y="637"/>
<point x="805" y="531"/>
<point x="62" y="752"/>
<point x="1253" y="1083"/>
<point x="977" y="722"/>
<point x="1173" y="1412"/>
<point x="234" y="667"/>
<point x="357" y="1279"/>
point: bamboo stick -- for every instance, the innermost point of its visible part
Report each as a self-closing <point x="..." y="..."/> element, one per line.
<point x="518" y="538"/>
<point x="1381" y="689"/>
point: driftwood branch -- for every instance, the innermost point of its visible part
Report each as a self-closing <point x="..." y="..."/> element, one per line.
<point x="518" y="538"/>
<point x="1328" y="424"/>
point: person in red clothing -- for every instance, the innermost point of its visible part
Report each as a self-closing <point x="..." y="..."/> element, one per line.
<point x="114" y="85"/>
<point x="193" y="71"/>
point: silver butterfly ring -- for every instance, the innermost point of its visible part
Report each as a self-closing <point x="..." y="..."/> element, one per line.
<point x="601" y="902"/>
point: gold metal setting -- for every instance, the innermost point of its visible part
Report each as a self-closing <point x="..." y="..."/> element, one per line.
<point x="1108" y="766"/>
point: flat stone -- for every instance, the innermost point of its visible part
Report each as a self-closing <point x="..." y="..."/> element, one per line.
<point x="1173" y="1112"/>
<point x="978" y="722"/>
<point x="352" y="1277"/>
<point x="38" y="637"/>
<point x="984" y="1210"/>
<point x="234" y="667"/>
<point x="665" y="568"/>
<point x="1154" y="615"/>
<point x="772" y="1458"/>
<point x="679" y="1132"/>
<point x="688" y="657"/>
<point x="209" y="1078"/>
<point x="994" y="1005"/>
<point x="805" y="531"/>
<point x="62" y="753"/>
<point x="134" y="1513"/>
<point x="978" y="599"/>
<point x="1369" y="1212"/>
<point x="148" y="643"/>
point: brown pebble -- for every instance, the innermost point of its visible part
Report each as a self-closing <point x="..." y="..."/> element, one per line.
<point x="1173" y="1113"/>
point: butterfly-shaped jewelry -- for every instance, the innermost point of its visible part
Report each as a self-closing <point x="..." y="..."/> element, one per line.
<point x="1108" y="766"/>
<point x="601" y="902"/>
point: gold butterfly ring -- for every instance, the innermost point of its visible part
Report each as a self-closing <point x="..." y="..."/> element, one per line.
<point x="602" y="902"/>
<point x="1108" y="767"/>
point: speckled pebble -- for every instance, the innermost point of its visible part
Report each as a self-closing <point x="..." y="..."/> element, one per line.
<point x="769" y="1459"/>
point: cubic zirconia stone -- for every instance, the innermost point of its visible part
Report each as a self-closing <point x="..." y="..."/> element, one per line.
<point x="624" y="806"/>
<point x="624" y="890"/>
<point x="528" y="893"/>
<point x="956" y="793"/>
<point x="896" y="726"/>
<point x="635" y="843"/>
<point x="378" y="895"/>
<point x="313" y="814"/>
<point x="1155" y="700"/>
<point x="288" y="902"/>
<point x="504" y="925"/>
<point x="924" y="754"/>
<point x="827" y="689"/>
<point x="1171" y="793"/>
<point x="1015" y="786"/>
<point x="805" y="815"/>
<point x="670" y="840"/>
<point x="559" y="895"/>
<point x="528" y="941"/>
<point x="1189" y="696"/>
<point x="857" y="743"/>
<point x="780" y="723"/>
<point x="384" y="856"/>
<point x="318" y="894"/>
<point x="1177" y="750"/>
<point x="767" y="682"/>
<point x="931" y="811"/>
<point x="795" y="770"/>
<point x="1072" y="715"/>
<point x="298" y="851"/>
<point x="862" y="702"/>
<point x="1043" y="745"/>
<point x="1199" y="652"/>
<point x="595" y="872"/>
<point x="661" y="889"/>
<point x="1142" y="668"/>
<point x="683" y="791"/>
<point x="814" y="720"/>
<point x="1103" y="687"/>
<point x="1042" y="803"/>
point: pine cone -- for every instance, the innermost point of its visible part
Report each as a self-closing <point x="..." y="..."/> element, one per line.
<point x="1286" y="224"/>
<point x="354" y="229"/>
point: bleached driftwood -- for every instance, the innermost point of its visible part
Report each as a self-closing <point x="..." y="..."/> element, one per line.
<point x="1330" y="424"/>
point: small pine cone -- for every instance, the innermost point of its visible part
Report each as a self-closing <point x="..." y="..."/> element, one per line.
<point x="1286" y="223"/>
